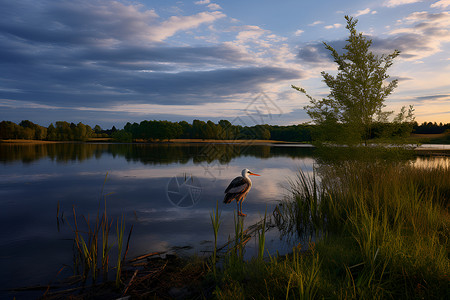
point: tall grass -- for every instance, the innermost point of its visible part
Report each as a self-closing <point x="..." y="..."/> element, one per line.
<point x="395" y="215"/>
<point x="92" y="246"/>
<point x="383" y="230"/>
<point x="215" y="222"/>
<point x="262" y="237"/>
<point x="120" y="230"/>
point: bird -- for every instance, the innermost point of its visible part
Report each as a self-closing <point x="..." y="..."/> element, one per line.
<point x="238" y="190"/>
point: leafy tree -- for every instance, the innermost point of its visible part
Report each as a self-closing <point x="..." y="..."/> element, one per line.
<point x="122" y="136"/>
<point x="26" y="133"/>
<point x="186" y="130"/>
<point x="357" y="92"/>
<point x="198" y="129"/>
<point x="52" y="134"/>
<point x="9" y="130"/>
<point x="31" y="130"/>
<point x="227" y="132"/>
<point x="98" y="129"/>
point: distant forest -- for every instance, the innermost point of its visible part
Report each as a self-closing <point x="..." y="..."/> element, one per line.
<point x="166" y="130"/>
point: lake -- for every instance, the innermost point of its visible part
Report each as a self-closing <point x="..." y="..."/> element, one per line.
<point x="166" y="191"/>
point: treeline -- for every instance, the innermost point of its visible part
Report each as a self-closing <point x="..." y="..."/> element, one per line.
<point x="430" y="128"/>
<point x="223" y="130"/>
<point x="61" y="131"/>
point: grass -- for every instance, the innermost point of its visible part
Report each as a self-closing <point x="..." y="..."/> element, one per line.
<point x="384" y="229"/>
<point x="440" y="138"/>
<point x="215" y="222"/>
<point x="92" y="247"/>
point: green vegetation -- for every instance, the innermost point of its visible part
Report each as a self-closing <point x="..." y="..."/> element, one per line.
<point x="357" y="93"/>
<point x="223" y="130"/>
<point x="385" y="228"/>
<point x="92" y="247"/>
<point x="61" y="131"/>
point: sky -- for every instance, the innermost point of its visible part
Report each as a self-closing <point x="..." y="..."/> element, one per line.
<point x="112" y="62"/>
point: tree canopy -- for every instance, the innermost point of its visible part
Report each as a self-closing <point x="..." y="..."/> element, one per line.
<point x="357" y="91"/>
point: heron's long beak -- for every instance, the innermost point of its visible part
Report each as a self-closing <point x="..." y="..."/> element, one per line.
<point x="254" y="174"/>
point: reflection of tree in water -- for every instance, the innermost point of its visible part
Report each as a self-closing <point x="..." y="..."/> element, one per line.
<point x="156" y="154"/>
<point x="60" y="152"/>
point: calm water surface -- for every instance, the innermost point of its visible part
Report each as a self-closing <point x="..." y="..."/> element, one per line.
<point x="166" y="191"/>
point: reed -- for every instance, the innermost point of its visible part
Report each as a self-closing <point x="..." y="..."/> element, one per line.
<point x="92" y="246"/>
<point x="120" y="230"/>
<point x="262" y="237"/>
<point x="215" y="222"/>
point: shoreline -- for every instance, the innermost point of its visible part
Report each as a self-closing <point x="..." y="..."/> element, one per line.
<point x="172" y="141"/>
<point x="424" y="149"/>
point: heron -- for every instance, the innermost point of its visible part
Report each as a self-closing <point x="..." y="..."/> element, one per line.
<point x="238" y="190"/>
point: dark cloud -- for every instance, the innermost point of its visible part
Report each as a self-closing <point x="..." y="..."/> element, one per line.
<point x="82" y="86"/>
<point x="412" y="43"/>
<point x="432" y="97"/>
<point x="317" y="53"/>
<point x="100" y="53"/>
<point x="400" y="79"/>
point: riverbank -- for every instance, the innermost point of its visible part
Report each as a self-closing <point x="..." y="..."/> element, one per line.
<point x="172" y="141"/>
<point x="30" y="142"/>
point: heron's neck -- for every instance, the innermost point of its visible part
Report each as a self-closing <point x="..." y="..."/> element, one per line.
<point x="247" y="177"/>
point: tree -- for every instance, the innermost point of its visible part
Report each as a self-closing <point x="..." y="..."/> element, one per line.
<point x="122" y="136"/>
<point x="52" y="134"/>
<point x="98" y="129"/>
<point x="357" y="92"/>
<point x="9" y="130"/>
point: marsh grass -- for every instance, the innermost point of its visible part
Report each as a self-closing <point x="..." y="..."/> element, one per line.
<point x="262" y="237"/>
<point x="92" y="245"/>
<point x="381" y="229"/>
<point x="394" y="214"/>
<point x="215" y="222"/>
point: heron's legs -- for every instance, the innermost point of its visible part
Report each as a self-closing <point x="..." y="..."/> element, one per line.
<point x="240" y="211"/>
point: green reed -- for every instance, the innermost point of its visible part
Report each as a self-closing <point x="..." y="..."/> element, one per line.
<point x="120" y="230"/>
<point x="92" y="244"/>
<point x="215" y="222"/>
<point x="262" y="237"/>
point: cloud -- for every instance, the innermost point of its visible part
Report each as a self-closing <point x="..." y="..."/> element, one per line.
<point x="336" y="25"/>
<point x="101" y="53"/>
<point x="442" y="4"/>
<point x="394" y="3"/>
<point x="432" y="98"/>
<point x="315" y="53"/>
<point x="315" y="23"/>
<point x="99" y="23"/>
<point x="364" y="12"/>
<point x="299" y="32"/>
<point x="175" y="24"/>
<point x="202" y="2"/>
<point x="214" y="6"/>
<point x="419" y="35"/>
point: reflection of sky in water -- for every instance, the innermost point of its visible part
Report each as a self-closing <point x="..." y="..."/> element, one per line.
<point x="32" y="250"/>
